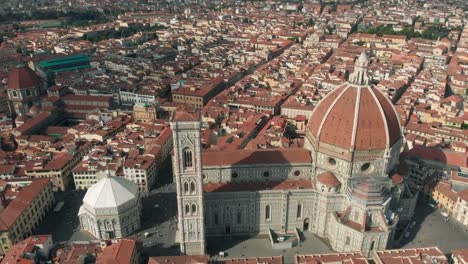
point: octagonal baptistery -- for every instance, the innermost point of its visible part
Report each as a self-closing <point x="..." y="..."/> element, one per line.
<point x="111" y="208"/>
<point x="355" y="130"/>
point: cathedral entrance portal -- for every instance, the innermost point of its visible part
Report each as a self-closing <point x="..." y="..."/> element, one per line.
<point x="110" y="234"/>
<point x="305" y="227"/>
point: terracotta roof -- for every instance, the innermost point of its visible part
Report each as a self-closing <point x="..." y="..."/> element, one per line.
<point x="247" y="157"/>
<point x="22" y="77"/>
<point x="463" y="195"/>
<point x="16" y="252"/>
<point x="411" y="255"/>
<point x="328" y="178"/>
<point x="22" y="201"/>
<point x="118" y="253"/>
<point x="361" y="109"/>
<point x="253" y="260"/>
<point x="257" y="186"/>
<point x="461" y="254"/>
<point x="185" y="113"/>
<point x="179" y="260"/>
<point x="446" y="189"/>
<point x="343" y="258"/>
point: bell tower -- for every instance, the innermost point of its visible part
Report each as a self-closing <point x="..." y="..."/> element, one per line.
<point x="187" y="168"/>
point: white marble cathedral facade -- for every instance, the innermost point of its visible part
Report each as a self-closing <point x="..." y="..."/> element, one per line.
<point x="338" y="187"/>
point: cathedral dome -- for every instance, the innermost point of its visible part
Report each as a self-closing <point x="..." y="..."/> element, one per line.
<point x="22" y="77"/>
<point x="355" y="116"/>
<point x="111" y="192"/>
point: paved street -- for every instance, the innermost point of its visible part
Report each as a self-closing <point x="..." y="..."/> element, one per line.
<point x="260" y="246"/>
<point x="64" y="225"/>
<point x="431" y="229"/>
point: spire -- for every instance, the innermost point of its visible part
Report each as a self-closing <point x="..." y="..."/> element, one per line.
<point x="359" y="76"/>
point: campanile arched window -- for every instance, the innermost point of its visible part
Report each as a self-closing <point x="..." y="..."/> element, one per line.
<point x="187" y="158"/>
<point x="192" y="187"/>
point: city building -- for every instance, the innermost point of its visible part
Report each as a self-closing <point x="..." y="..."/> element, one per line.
<point x="460" y="213"/>
<point x="24" y="89"/>
<point x="445" y="197"/>
<point x="119" y="251"/>
<point x="460" y="256"/>
<point x="351" y="257"/>
<point x="144" y="113"/>
<point x="199" y="259"/>
<point x="48" y="67"/>
<point x="34" y="250"/>
<point x="432" y="255"/>
<point x="31" y="200"/>
<point x="338" y="187"/>
<point x="111" y="208"/>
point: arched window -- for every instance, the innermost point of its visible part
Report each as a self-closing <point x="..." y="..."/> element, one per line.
<point x="194" y="208"/>
<point x="372" y="245"/>
<point x="186" y="187"/>
<point x="356" y="216"/>
<point x="187" y="209"/>
<point x="216" y="219"/>
<point x="192" y="187"/>
<point x="299" y="211"/>
<point x="187" y="158"/>
<point x="239" y="217"/>
<point x="267" y="212"/>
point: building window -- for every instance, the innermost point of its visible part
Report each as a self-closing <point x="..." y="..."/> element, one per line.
<point x="348" y="240"/>
<point x="297" y="173"/>
<point x="372" y="245"/>
<point x="299" y="211"/>
<point x="194" y="208"/>
<point x="192" y="187"/>
<point x="266" y="173"/>
<point x="267" y="212"/>
<point x="187" y="158"/>
<point x="216" y="219"/>
<point x="239" y="217"/>
<point x="187" y="209"/>
<point x="234" y="175"/>
<point x="332" y="161"/>
<point x="186" y="187"/>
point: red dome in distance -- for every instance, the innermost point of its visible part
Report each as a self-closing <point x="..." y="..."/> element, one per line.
<point x="22" y="77"/>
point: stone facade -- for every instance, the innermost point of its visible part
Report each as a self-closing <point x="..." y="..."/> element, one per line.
<point x="342" y="194"/>
<point x="111" y="209"/>
<point x="187" y="168"/>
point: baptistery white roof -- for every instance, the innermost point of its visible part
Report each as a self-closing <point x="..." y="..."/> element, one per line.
<point x="110" y="192"/>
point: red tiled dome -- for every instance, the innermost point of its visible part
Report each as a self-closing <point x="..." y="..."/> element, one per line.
<point x="355" y="117"/>
<point x="328" y="179"/>
<point x="22" y="77"/>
